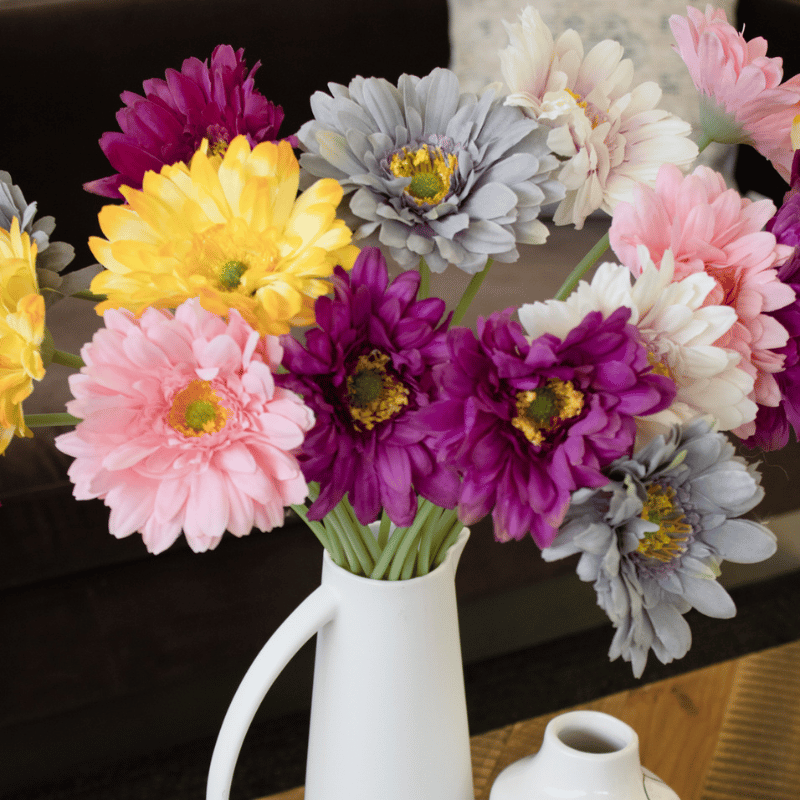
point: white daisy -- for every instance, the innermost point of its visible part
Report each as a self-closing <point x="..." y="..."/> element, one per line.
<point x="678" y="331"/>
<point x="610" y="136"/>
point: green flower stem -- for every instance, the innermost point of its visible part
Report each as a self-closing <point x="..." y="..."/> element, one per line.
<point x="428" y="535"/>
<point x="67" y="359"/>
<point x="388" y="552"/>
<point x="449" y="541"/>
<point x="50" y="420"/>
<point x="470" y="292"/>
<point x="318" y="529"/>
<point x="424" y="280"/>
<point x="406" y="556"/>
<point x="411" y="538"/>
<point x="383" y="530"/>
<point x="448" y="519"/>
<point x="346" y="533"/>
<point x="336" y="534"/>
<point x="364" y="533"/>
<point x="87" y="295"/>
<point x="587" y="262"/>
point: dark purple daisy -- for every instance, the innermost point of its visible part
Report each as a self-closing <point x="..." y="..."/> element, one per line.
<point x="366" y="371"/>
<point x="527" y="423"/>
<point x="168" y="124"/>
<point x="773" y="424"/>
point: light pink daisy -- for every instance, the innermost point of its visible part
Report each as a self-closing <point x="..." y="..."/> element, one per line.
<point x="712" y="229"/>
<point x="183" y="427"/>
<point x="609" y="134"/>
<point x="742" y="97"/>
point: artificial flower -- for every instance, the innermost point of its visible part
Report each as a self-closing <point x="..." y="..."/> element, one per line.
<point x="710" y="228"/>
<point x="675" y="326"/>
<point x="167" y="125"/>
<point x="742" y="99"/>
<point x="610" y="136"/>
<point x="366" y="372"/>
<point x="183" y="428"/>
<point x="528" y="422"/>
<point x="435" y="174"/>
<point x="230" y="231"/>
<point x="22" y="329"/>
<point x="773" y="423"/>
<point x="51" y="257"/>
<point x="652" y="539"/>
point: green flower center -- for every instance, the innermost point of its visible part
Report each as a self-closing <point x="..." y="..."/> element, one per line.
<point x="373" y="394"/>
<point x="230" y="274"/>
<point x="430" y="170"/>
<point x="542" y="410"/>
<point x="196" y="410"/>
<point x="671" y="539"/>
<point x="199" y="414"/>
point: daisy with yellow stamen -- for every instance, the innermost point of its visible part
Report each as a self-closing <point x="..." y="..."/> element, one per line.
<point x="21" y="330"/>
<point x="231" y="231"/>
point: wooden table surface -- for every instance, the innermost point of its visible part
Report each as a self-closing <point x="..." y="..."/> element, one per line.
<point x="726" y="732"/>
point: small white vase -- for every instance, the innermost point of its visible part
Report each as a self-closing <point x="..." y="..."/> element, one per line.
<point x="388" y="711"/>
<point x="585" y="755"/>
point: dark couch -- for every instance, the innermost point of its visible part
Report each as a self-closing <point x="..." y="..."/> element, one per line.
<point x="108" y="651"/>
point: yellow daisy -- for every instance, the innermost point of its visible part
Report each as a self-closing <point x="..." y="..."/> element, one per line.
<point x="21" y="330"/>
<point x="231" y="231"/>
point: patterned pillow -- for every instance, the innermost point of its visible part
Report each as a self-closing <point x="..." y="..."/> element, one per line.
<point x="477" y="35"/>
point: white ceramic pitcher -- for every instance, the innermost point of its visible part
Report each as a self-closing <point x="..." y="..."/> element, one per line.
<point x="388" y="711"/>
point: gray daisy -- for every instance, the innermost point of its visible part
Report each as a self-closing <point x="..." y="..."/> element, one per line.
<point x="434" y="173"/>
<point x="653" y="538"/>
<point x="51" y="257"/>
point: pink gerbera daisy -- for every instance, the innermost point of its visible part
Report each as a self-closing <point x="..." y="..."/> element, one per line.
<point x="742" y="97"/>
<point x="712" y="229"/>
<point x="183" y="427"/>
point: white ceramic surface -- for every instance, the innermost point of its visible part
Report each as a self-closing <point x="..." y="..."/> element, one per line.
<point x="585" y="755"/>
<point x="388" y="713"/>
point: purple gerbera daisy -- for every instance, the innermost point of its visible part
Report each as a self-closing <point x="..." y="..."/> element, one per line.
<point x="528" y="422"/>
<point x="772" y="424"/>
<point x="366" y="371"/>
<point x="168" y="124"/>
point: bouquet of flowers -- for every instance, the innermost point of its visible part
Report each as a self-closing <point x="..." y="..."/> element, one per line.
<point x="596" y="422"/>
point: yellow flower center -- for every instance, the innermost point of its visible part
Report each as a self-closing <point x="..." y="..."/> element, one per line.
<point x="430" y="171"/>
<point x="670" y="540"/>
<point x="593" y="114"/>
<point x="542" y="410"/>
<point x="373" y="394"/>
<point x="196" y="410"/>
<point x="658" y="366"/>
<point x="231" y="258"/>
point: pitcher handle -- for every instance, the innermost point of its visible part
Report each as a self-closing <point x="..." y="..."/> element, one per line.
<point x="314" y="612"/>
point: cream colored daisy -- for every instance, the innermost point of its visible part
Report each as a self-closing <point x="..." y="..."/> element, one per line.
<point x="611" y="137"/>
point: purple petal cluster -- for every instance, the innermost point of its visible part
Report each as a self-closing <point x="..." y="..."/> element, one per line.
<point x="524" y="483"/>
<point x="168" y="124"/>
<point x="773" y="424"/>
<point x="371" y="329"/>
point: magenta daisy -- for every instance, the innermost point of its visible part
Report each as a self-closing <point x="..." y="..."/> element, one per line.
<point x="167" y="125"/>
<point x="742" y="99"/>
<point x="366" y="373"/>
<point x="528" y="422"/>
<point x="183" y="427"/>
